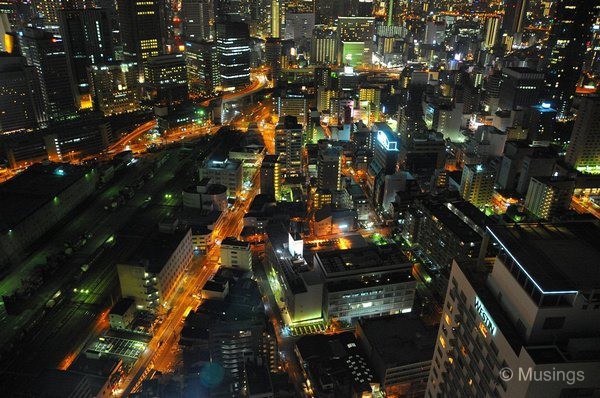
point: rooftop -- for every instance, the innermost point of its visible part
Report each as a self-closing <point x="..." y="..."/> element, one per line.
<point x="561" y="257"/>
<point x="452" y="222"/>
<point x="122" y="306"/>
<point x="399" y="339"/>
<point x="360" y="260"/>
<point x="24" y="194"/>
<point x="154" y="251"/>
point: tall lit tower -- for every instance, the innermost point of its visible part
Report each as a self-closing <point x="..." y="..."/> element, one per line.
<point x="567" y="44"/>
<point x="87" y="37"/>
<point x="143" y="31"/>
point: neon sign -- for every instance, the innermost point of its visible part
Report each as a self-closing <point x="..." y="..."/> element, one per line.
<point x="485" y="316"/>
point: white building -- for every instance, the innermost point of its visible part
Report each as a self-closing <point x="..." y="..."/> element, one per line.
<point x="365" y="282"/>
<point x="150" y="275"/>
<point x="530" y="327"/>
<point x="225" y="172"/>
<point x="236" y="254"/>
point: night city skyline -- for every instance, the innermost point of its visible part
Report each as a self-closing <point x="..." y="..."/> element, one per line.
<point x="300" y="198"/>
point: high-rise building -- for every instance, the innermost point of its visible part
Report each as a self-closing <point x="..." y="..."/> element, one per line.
<point x="198" y="19"/>
<point x="270" y="176"/>
<point x="520" y="87"/>
<point x="48" y="10"/>
<point x="492" y="32"/>
<point x="477" y="184"/>
<point x="292" y="104"/>
<point x="584" y="148"/>
<point x="541" y="125"/>
<point x="549" y="197"/>
<point x="87" y="37"/>
<point x="165" y="78"/>
<point x="21" y="99"/>
<point x="233" y="49"/>
<point x="273" y="57"/>
<point x="528" y="328"/>
<point x="202" y="67"/>
<point x="385" y="160"/>
<point x="115" y="87"/>
<point x="329" y="168"/>
<point x="46" y="53"/>
<point x="324" y="47"/>
<point x="567" y="44"/>
<point x="288" y="145"/>
<point x="276" y="18"/>
<point x="514" y="16"/>
<point x="142" y="27"/>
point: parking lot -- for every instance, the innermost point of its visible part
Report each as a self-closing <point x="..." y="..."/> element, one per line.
<point x="120" y="347"/>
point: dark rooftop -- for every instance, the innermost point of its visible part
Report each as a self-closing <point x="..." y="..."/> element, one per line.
<point x="122" y="306"/>
<point x="154" y="251"/>
<point x="556" y="257"/>
<point x="24" y="194"/>
<point x="399" y="339"/>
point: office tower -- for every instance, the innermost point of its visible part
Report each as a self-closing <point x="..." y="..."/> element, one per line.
<point x="299" y="27"/>
<point x="233" y="49"/>
<point x="529" y="327"/>
<point x="288" y="145"/>
<point x="385" y="160"/>
<point x="87" y="37"/>
<point x="273" y="57"/>
<point x="435" y="32"/>
<point x="567" y="44"/>
<point x="165" y="79"/>
<point x="115" y="87"/>
<point x="540" y="131"/>
<point x="46" y="53"/>
<point x="21" y="103"/>
<point x="270" y="176"/>
<point x="198" y="17"/>
<point x="4" y="29"/>
<point x="492" y="32"/>
<point x="324" y="46"/>
<point x="355" y="34"/>
<point x="520" y="88"/>
<point x="514" y="16"/>
<point x="329" y="168"/>
<point x="477" y="184"/>
<point x="293" y="104"/>
<point x="48" y="10"/>
<point x="492" y="91"/>
<point x="584" y="148"/>
<point x="356" y="29"/>
<point x="549" y="197"/>
<point x="276" y="18"/>
<point x="202" y="67"/>
<point x="142" y="26"/>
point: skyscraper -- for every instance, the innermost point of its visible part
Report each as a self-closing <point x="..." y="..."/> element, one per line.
<point x="288" y="145"/>
<point x="87" y="37"/>
<point x="202" y="67"/>
<point x="233" y="49"/>
<point x="165" y="79"/>
<point x="115" y="87"/>
<point x="514" y="16"/>
<point x="329" y="168"/>
<point x="273" y="57"/>
<point x="198" y="18"/>
<point x="46" y="53"/>
<point x="584" y="149"/>
<point x="567" y="45"/>
<point x="142" y="26"/>
<point x="20" y="97"/>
